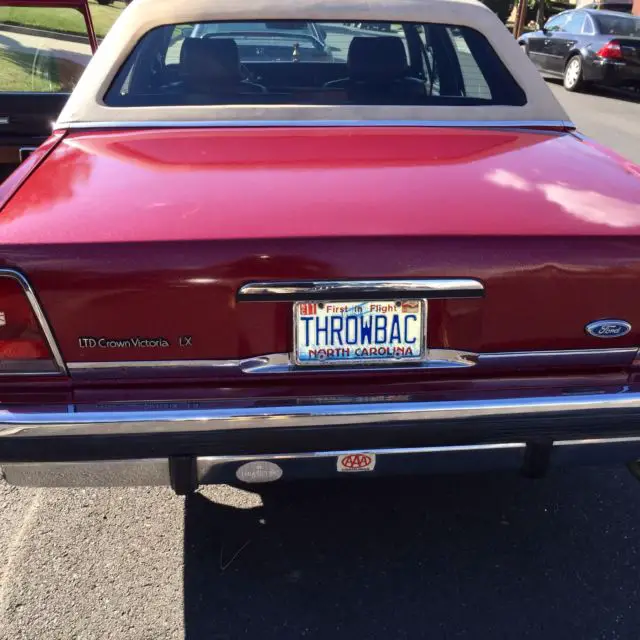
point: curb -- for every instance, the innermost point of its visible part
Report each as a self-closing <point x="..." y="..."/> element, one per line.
<point x="58" y="35"/>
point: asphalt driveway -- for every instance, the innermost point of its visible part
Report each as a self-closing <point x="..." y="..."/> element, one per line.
<point x="488" y="556"/>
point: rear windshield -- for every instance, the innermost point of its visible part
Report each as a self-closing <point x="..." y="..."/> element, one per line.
<point x="313" y="63"/>
<point x="618" y="25"/>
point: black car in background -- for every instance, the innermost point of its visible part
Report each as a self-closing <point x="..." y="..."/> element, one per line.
<point x="584" y="46"/>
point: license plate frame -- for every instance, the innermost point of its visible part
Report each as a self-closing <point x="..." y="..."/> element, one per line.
<point x="384" y="361"/>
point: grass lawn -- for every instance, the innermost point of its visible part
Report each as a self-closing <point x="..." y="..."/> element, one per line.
<point x="18" y="72"/>
<point x="63" y="20"/>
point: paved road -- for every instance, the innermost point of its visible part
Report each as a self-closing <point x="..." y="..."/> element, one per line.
<point x="491" y="556"/>
<point x="606" y="116"/>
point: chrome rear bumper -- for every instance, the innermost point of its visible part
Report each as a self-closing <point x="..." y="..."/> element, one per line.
<point x="83" y="420"/>
<point x="127" y="444"/>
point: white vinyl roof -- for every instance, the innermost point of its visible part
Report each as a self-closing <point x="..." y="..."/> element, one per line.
<point x="85" y="107"/>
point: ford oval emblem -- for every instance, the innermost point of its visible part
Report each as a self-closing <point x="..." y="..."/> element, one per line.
<point x="608" y="328"/>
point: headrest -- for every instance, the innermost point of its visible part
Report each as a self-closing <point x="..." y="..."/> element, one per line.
<point x="216" y="59"/>
<point x="376" y="59"/>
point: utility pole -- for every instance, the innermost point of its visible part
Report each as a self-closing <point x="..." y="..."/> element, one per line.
<point x="520" y="16"/>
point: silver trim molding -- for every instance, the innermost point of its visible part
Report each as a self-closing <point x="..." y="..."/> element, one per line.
<point x="178" y="124"/>
<point x="618" y="407"/>
<point x="592" y="441"/>
<point x="366" y="289"/>
<point x="276" y="363"/>
<point x="378" y="452"/>
<point x="98" y="473"/>
<point x="42" y="321"/>
<point x="25" y="152"/>
<point x="280" y="363"/>
<point x="622" y="356"/>
<point x="442" y="459"/>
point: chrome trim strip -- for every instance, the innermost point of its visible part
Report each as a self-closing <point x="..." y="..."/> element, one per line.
<point x="269" y="364"/>
<point x="622" y="356"/>
<point x="42" y="321"/>
<point x="279" y="363"/>
<point x="164" y="124"/>
<point x="96" y="473"/>
<point x="378" y="452"/>
<point x="24" y="152"/>
<point x="160" y="364"/>
<point x="590" y="441"/>
<point x="361" y="289"/>
<point x="616" y="408"/>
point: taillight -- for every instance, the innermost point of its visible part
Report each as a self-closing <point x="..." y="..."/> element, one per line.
<point x="26" y="342"/>
<point x="611" y="51"/>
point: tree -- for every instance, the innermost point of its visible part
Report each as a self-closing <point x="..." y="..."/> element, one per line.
<point x="540" y="13"/>
<point x="502" y="8"/>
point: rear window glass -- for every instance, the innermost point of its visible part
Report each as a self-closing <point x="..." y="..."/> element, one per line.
<point x="322" y="63"/>
<point x="618" y="25"/>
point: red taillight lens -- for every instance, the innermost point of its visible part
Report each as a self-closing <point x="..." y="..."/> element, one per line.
<point x="611" y="51"/>
<point x="24" y="347"/>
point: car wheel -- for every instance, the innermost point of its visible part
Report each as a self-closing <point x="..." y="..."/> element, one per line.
<point x="573" y="79"/>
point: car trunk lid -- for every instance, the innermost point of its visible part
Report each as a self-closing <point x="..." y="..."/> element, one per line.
<point x="143" y="239"/>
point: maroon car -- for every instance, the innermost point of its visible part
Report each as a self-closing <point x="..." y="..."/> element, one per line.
<point x="232" y="269"/>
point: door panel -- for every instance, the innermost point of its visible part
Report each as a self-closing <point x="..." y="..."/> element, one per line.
<point x="547" y="47"/>
<point x="557" y="48"/>
<point x="38" y="70"/>
<point x="564" y="40"/>
<point x="535" y="45"/>
<point x="25" y="123"/>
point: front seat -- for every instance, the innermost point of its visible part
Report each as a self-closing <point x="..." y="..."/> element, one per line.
<point x="210" y="67"/>
<point x="378" y="72"/>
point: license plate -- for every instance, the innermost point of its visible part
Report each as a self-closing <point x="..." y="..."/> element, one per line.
<point x="342" y="333"/>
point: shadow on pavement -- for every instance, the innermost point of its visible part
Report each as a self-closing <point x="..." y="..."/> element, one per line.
<point x="485" y="556"/>
<point x="616" y="94"/>
<point x="626" y="95"/>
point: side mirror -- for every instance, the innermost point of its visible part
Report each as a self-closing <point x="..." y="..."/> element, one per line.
<point x="545" y="30"/>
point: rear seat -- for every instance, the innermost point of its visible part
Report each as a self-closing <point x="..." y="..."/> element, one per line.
<point x="211" y="66"/>
<point x="378" y="70"/>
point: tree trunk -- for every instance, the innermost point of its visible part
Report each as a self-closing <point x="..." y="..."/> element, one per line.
<point x="540" y="15"/>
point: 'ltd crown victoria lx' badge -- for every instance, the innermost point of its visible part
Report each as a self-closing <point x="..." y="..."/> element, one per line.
<point x="608" y="328"/>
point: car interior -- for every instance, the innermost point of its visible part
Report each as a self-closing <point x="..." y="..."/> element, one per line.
<point x="419" y="64"/>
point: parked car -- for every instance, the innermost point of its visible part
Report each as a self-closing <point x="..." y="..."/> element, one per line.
<point x="271" y="40"/>
<point x="587" y="46"/>
<point x="38" y="69"/>
<point x="405" y="262"/>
